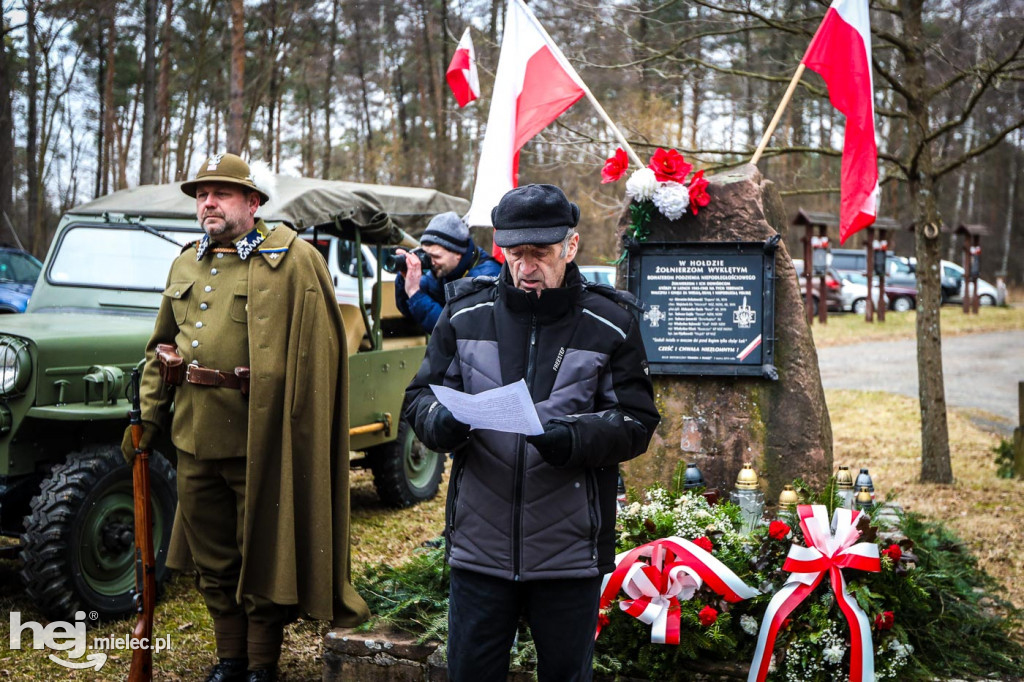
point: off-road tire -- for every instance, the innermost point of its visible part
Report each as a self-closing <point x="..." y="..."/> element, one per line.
<point x="64" y="571"/>
<point x="405" y="472"/>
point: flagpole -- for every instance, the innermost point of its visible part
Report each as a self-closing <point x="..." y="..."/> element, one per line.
<point x="590" y="96"/>
<point x="778" y="114"/>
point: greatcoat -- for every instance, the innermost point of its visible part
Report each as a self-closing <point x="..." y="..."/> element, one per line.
<point x="295" y="540"/>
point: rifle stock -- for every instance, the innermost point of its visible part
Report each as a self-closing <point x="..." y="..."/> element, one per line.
<point x="145" y="563"/>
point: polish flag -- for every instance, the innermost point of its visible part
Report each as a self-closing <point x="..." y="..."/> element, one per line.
<point x="841" y="53"/>
<point x="461" y="74"/>
<point x="534" y="84"/>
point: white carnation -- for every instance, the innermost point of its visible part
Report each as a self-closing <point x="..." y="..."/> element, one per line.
<point x="834" y="654"/>
<point x="671" y="198"/>
<point x="749" y="624"/>
<point x="641" y="184"/>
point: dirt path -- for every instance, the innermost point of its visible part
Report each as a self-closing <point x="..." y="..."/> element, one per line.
<point x="981" y="372"/>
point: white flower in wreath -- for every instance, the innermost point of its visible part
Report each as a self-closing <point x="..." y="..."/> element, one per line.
<point x="834" y="654"/>
<point x="671" y="198"/>
<point x="749" y="624"/>
<point x="641" y="184"/>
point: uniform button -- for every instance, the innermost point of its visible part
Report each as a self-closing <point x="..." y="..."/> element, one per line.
<point x="195" y="344"/>
<point x="213" y="271"/>
<point x="203" y="306"/>
<point x="199" y="325"/>
<point x="177" y="293"/>
<point x="220" y="255"/>
<point x="207" y="288"/>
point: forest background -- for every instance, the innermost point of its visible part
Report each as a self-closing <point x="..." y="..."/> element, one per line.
<point x="98" y="95"/>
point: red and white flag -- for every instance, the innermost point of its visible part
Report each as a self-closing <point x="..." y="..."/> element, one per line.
<point x="461" y="74"/>
<point x="841" y="53"/>
<point x="534" y="84"/>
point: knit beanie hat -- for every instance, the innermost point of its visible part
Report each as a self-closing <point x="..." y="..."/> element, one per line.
<point x="448" y="231"/>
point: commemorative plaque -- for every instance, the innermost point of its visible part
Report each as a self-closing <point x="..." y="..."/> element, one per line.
<point x="708" y="307"/>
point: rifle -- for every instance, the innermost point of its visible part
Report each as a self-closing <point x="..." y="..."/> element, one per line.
<point x="145" y="565"/>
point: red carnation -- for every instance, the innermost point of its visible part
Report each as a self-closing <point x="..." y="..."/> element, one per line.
<point x="704" y="542"/>
<point x="614" y="167"/>
<point x="707" y="616"/>
<point x="885" y="620"/>
<point x="778" y="530"/>
<point x="603" y="619"/>
<point x="893" y="552"/>
<point x="698" y="192"/>
<point x="669" y="165"/>
<point x="786" y="623"/>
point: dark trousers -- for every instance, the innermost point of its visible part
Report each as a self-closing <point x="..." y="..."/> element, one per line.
<point x="483" y="613"/>
<point x="211" y="498"/>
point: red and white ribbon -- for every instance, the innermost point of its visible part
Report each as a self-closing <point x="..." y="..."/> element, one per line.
<point x="833" y="547"/>
<point x="676" y="570"/>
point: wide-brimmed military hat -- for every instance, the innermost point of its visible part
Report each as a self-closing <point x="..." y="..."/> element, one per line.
<point x="533" y="214"/>
<point x="224" y="168"/>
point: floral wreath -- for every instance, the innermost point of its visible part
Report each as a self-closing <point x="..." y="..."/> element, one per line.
<point x="661" y="185"/>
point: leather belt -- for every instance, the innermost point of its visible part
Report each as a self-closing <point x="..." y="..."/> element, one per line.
<point x="206" y="376"/>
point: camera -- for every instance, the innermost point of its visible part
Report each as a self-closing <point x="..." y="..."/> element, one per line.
<point x="395" y="262"/>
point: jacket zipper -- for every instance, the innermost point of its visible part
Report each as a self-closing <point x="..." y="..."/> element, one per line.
<point x="517" y="509"/>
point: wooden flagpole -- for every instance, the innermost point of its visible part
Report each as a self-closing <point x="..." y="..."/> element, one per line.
<point x="586" y="90"/>
<point x="778" y="113"/>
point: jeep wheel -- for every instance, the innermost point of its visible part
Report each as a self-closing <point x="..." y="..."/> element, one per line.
<point x="404" y="470"/>
<point x="78" y="547"/>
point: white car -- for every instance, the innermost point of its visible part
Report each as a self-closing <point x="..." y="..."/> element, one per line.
<point x="340" y="255"/>
<point x="600" y="274"/>
<point x="855" y="292"/>
<point x="953" y="286"/>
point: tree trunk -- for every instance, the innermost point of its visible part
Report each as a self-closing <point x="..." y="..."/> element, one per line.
<point x="236" y="120"/>
<point x="935" y="460"/>
<point x="147" y="155"/>
<point x="109" y="110"/>
<point x="332" y="44"/>
<point x="101" y="79"/>
<point x="163" y="97"/>
<point x="32" y="133"/>
<point x="6" y="138"/>
<point x="1012" y="181"/>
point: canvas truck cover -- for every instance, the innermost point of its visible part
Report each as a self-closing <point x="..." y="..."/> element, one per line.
<point x="302" y="203"/>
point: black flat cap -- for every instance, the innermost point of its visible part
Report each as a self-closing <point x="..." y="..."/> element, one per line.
<point x="533" y="214"/>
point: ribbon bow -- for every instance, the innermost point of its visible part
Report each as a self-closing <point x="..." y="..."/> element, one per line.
<point x="832" y="548"/>
<point x="677" y="569"/>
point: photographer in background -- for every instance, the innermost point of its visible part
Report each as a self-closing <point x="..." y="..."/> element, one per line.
<point x="452" y="255"/>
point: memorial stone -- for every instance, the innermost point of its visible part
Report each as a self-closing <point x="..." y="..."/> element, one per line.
<point x="781" y="426"/>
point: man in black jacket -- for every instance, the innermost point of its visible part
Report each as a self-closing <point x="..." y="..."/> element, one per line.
<point x="530" y="521"/>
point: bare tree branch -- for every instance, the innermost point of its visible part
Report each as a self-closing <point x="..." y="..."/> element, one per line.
<point x="979" y="149"/>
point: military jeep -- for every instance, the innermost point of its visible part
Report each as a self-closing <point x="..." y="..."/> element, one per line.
<point x="64" y="487"/>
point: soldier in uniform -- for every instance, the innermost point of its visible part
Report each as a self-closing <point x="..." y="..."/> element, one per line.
<point x="249" y="347"/>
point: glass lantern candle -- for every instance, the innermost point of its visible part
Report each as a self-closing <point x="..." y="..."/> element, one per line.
<point x="788" y="500"/>
<point x="748" y="497"/>
<point x="844" y="483"/>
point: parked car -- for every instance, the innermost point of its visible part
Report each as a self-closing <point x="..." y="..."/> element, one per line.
<point x="898" y="270"/>
<point x="19" y="271"/>
<point x="833" y="286"/>
<point x="343" y="264"/>
<point x="953" y="286"/>
<point x="855" y="292"/>
<point x="600" y="274"/>
<point x="64" y="486"/>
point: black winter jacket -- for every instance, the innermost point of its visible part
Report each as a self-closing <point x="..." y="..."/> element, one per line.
<point x="509" y="513"/>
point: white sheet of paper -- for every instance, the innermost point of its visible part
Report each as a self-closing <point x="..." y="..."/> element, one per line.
<point x="506" y="408"/>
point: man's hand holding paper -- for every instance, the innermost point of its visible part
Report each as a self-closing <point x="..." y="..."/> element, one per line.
<point x="506" y="408"/>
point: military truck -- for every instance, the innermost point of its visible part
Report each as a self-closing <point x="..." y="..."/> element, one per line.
<point x="64" y="487"/>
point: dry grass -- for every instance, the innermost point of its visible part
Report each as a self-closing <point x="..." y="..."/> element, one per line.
<point x="875" y="430"/>
<point x="881" y="431"/>
<point x="844" y="329"/>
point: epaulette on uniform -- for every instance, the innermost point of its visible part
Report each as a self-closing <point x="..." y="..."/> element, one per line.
<point x="623" y="298"/>
<point x="461" y="288"/>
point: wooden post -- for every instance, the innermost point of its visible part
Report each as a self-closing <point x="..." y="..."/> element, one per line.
<point x="1018" y="434"/>
<point x="975" y="276"/>
<point x="808" y="284"/>
<point x="881" y="278"/>
<point x="822" y="286"/>
<point x="869" y="309"/>
<point x="965" y="304"/>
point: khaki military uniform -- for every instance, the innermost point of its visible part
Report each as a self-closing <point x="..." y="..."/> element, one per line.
<point x="263" y="491"/>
